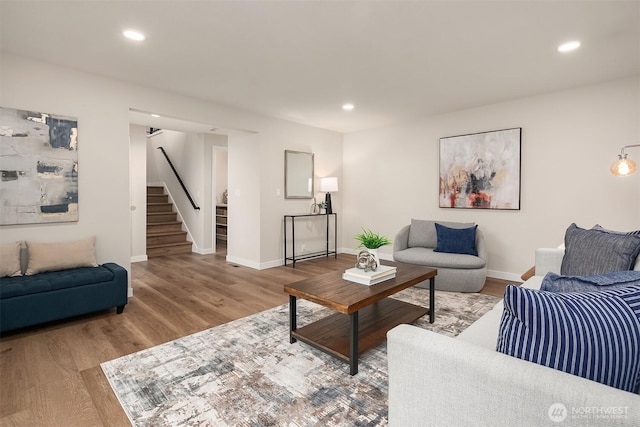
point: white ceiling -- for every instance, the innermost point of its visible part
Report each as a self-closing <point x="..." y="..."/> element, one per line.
<point x="301" y="60"/>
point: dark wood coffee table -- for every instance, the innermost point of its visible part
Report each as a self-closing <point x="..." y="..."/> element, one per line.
<point x="363" y="315"/>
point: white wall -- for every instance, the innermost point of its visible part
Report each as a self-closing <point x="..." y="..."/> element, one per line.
<point x="243" y="220"/>
<point x="327" y="149"/>
<point x="588" y="124"/>
<point x="569" y="139"/>
<point x="138" y="188"/>
<point x="260" y="189"/>
<point x="221" y="170"/>
<point x="102" y="108"/>
<point x="103" y="152"/>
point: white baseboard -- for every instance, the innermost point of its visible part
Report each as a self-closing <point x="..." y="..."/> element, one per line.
<point x="504" y="275"/>
<point x="268" y="264"/>
<point x="272" y="264"/>
<point x="205" y="251"/>
<point x="129" y="292"/>
<point x="139" y="258"/>
<point x="280" y="263"/>
<point x="243" y="262"/>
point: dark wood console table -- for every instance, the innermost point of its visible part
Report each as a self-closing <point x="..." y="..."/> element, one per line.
<point x="292" y="218"/>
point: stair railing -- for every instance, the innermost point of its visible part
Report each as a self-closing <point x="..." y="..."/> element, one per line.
<point x="179" y="179"/>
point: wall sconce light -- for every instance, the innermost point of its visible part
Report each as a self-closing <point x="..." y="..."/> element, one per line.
<point x="328" y="185"/>
<point x="624" y="166"/>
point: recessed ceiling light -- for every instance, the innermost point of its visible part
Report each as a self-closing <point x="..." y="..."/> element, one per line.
<point x="133" y="35"/>
<point x="348" y="107"/>
<point x="155" y="115"/>
<point x="569" y="46"/>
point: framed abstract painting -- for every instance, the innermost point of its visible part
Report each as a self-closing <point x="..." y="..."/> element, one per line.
<point x="39" y="158"/>
<point x="481" y="170"/>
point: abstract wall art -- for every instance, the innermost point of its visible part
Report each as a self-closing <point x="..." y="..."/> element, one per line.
<point x="481" y="170"/>
<point x="39" y="167"/>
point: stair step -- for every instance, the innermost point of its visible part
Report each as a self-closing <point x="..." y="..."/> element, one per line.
<point x="159" y="207"/>
<point x="164" y="231"/>
<point x="166" y="238"/>
<point x="156" y="233"/>
<point x="169" y="249"/>
<point x="159" y="227"/>
<point x="155" y="190"/>
<point x="157" y="198"/>
<point x="154" y="217"/>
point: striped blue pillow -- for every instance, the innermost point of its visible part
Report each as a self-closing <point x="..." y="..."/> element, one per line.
<point x="595" y="335"/>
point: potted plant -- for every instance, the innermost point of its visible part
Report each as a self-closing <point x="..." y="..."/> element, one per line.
<point x="372" y="241"/>
<point x="316" y="208"/>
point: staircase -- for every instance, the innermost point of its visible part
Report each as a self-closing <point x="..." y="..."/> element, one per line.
<point x="164" y="231"/>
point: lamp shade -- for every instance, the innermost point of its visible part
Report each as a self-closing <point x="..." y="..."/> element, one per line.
<point x="329" y="184"/>
<point x="623" y="166"/>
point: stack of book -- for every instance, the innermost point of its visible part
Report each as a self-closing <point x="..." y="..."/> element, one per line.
<point x="382" y="273"/>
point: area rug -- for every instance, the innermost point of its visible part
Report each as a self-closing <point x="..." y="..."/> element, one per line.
<point x="246" y="373"/>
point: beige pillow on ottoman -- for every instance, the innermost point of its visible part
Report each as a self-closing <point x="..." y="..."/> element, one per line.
<point x="61" y="255"/>
<point x="10" y="259"/>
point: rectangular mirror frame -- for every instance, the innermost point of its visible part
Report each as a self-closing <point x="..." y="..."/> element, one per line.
<point x="298" y="172"/>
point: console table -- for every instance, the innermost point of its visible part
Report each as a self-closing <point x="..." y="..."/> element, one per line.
<point x="294" y="219"/>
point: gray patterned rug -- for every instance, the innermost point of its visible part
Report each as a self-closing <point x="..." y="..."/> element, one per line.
<point x="245" y="373"/>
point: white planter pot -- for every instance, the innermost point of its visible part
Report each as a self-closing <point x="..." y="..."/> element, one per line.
<point x="374" y="252"/>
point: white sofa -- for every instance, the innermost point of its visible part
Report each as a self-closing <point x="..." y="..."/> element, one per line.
<point x="435" y="380"/>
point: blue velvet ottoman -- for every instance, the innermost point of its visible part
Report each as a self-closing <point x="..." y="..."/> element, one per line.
<point x="53" y="295"/>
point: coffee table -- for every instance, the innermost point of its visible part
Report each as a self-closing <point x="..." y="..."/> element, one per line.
<point x="363" y="315"/>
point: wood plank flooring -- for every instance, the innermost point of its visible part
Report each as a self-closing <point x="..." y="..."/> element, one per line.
<point x="50" y="375"/>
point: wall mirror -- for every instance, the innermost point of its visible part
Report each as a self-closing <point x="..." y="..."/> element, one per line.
<point x="298" y="175"/>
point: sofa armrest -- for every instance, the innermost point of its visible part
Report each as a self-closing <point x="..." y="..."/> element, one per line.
<point x="401" y="241"/>
<point x="438" y="380"/>
<point x="548" y="260"/>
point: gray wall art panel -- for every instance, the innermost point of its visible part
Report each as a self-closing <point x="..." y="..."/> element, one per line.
<point x="39" y="166"/>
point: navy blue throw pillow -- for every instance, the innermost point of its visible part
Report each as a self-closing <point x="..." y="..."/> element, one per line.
<point x="456" y="240"/>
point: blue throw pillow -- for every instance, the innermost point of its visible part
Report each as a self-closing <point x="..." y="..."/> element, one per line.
<point x="594" y="335"/>
<point x="555" y="283"/>
<point x="624" y="233"/>
<point x="456" y="240"/>
<point x="592" y="252"/>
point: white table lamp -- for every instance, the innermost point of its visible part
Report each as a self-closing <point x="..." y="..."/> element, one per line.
<point x="328" y="185"/>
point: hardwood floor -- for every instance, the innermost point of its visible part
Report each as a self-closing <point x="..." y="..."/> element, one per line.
<point x="50" y="375"/>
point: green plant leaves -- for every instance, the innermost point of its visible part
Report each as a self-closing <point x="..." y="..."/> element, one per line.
<point x="371" y="240"/>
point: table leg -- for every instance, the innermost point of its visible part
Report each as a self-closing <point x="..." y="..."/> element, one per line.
<point x="292" y="318"/>
<point x="285" y="241"/>
<point x="353" y="344"/>
<point x="432" y="299"/>
<point x="293" y="241"/>
<point x="335" y="235"/>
